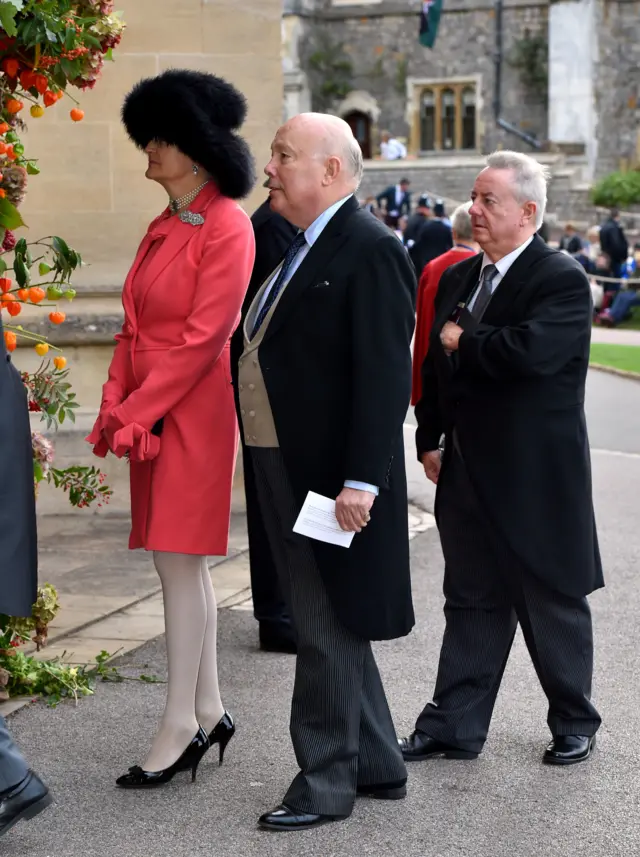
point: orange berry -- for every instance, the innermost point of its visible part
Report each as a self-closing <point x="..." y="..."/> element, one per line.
<point x="10" y="67"/>
<point x="8" y="298"/>
<point x="3" y="148"/>
<point x="36" y="294"/>
<point x="37" y="111"/>
<point x="3" y="193"/>
<point x="28" y="79"/>
<point x="10" y="340"/>
<point x="14" y="308"/>
<point x="13" y="105"/>
<point x="10" y="153"/>
<point x="23" y="295"/>
<point x="56" y="317"/>
<point x="60" y="362"/>
<point x="49" y="98"/>
<point x="5" y="284"/>
<point x="60" y="94"/>
<point x="3" y="127"/>
<point x="41" y="349"/>
<point x="41" y="82"/>
<point x="77" y="115"/>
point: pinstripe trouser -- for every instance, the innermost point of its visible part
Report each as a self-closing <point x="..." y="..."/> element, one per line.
<point x="13" y="768"/>
<point x="341" y="726"/>
<point x="487" y="593"/>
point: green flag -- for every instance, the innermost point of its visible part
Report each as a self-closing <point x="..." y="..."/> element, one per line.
<point x="429" y="20"/>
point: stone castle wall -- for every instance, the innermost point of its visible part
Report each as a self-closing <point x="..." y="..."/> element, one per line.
<point x="381" y="42"/>
<point x="92" y="188"/>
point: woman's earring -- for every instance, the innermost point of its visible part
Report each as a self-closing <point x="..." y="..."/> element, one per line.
<point x="196" y="169"/>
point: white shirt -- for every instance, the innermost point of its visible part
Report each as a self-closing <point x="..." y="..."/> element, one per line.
<point x="311" y="235"/>
<point x="393" y="150"/>
<point x="502" y="266"/>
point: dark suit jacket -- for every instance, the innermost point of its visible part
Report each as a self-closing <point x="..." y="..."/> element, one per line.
<point x="336" y="361"/>
<point x="273" y="236"/>
<point x="613" y="241"/>
<point x="434" y="239"/>
<point x="515" y="395"/>
<point x="18" y="542"/>
<point x="389" y="197"/>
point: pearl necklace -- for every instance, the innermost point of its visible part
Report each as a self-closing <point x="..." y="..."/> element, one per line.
<point x="176" y="204"/>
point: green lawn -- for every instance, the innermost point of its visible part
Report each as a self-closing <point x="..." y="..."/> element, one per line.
<point x="625" y="357"/>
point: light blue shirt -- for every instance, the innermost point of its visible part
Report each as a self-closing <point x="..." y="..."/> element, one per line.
<point x="311" y="235"/>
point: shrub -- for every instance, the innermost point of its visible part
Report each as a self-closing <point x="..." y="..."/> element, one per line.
<point x="617" y="190"/>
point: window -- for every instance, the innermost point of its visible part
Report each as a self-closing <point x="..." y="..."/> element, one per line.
<point x="468" y="118"/>
<point x="428" y="120"/>
<point x="446" y="119"/>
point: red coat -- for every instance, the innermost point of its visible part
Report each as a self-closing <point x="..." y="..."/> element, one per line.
<point x="182" y="301"/>
<point x="425" y="310"/>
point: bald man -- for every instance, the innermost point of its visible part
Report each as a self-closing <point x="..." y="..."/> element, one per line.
<point x="324" y="384"/>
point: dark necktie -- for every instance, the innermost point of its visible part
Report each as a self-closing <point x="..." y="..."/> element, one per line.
<point x="296" y="245"/>
<point x="483" y="295"/>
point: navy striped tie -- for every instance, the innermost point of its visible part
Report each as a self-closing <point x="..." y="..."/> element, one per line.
<point x="296" y="245"/>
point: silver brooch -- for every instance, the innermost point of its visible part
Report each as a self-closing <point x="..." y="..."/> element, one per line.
<point x="191" y="217"/>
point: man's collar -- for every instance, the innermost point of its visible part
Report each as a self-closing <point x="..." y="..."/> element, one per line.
<point x="312" y="233"/>
<point x="507" y="261"/>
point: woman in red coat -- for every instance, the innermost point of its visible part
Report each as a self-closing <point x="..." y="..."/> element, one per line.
<point x="168" y="403"/>
<point x="463" y="247"/>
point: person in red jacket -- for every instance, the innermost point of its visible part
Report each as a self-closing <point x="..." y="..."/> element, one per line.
<point x="463" y="247"/>
<point x="168" y="404"/>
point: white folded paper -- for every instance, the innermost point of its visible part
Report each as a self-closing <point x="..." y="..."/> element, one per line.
<point x="317" y="520"/>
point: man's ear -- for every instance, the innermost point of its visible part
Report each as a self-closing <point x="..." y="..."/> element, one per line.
<point x="332" y="170"/>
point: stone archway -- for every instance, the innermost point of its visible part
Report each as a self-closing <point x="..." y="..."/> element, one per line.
<point x="361" y="111"/>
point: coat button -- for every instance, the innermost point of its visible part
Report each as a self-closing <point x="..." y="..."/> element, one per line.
<point x="253" y="437"/>
<point x="241" y="387"/>
<point x="239" y="362"/>
<point x="247" y="438"/>
<point x="252" y="413"/>
<point x="242" y="411"/>
<point x="251" y="386"/>
<point x="255" y="362"/>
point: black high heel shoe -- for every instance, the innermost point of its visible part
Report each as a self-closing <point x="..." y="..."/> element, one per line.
<point x="137" y="778"/>
<point x="223" y="733"/>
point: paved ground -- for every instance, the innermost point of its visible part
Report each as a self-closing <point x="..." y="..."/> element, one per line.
<point x="503" y="805"/>
<point x="615" y="337"/>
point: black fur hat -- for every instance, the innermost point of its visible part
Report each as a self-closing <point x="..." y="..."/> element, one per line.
<point x="199" y="113"/>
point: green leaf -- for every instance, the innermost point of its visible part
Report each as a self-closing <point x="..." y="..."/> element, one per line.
<point x="10" y="217"/>
<point x="60" y="246"/>
<point x="33" y="169"/>
<point x="43" y="268"/>
<point x="22" y="272"/>
<point x="8" y="11"/>
<point x="62" y="416"/>
<point x="21" y="247"/>
<point x="109" y="55"/>
<point x="3" y="266"/>
<point x="38" y="475"/>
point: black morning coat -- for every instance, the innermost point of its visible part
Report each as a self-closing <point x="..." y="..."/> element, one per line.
<point x="18" y="540"/>
<point x="336" y="360"/>
<point x="515" y="394"/>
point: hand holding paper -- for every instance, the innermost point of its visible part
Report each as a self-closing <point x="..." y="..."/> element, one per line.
<point x="317" y="520"/>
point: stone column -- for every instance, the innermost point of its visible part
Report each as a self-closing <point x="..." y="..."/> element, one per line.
<point x="573" y="47"/>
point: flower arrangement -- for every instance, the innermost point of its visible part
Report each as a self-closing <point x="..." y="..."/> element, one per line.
<point x="46" y="47"/>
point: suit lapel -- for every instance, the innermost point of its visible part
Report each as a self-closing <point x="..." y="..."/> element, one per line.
<point x="327" y="244"/>
<point x="509" y="288"/>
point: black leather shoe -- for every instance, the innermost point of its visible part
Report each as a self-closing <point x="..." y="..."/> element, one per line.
<point x="285" y="818"/>
<point x="24" y="801"/>
<point x="276" y="639"/>
<point x="384" y="791"/>
<point x="138" y="778"/>
<point x="222" y="734"/>
<point x="569" y="749"/>
<point x="418" y="747"/>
